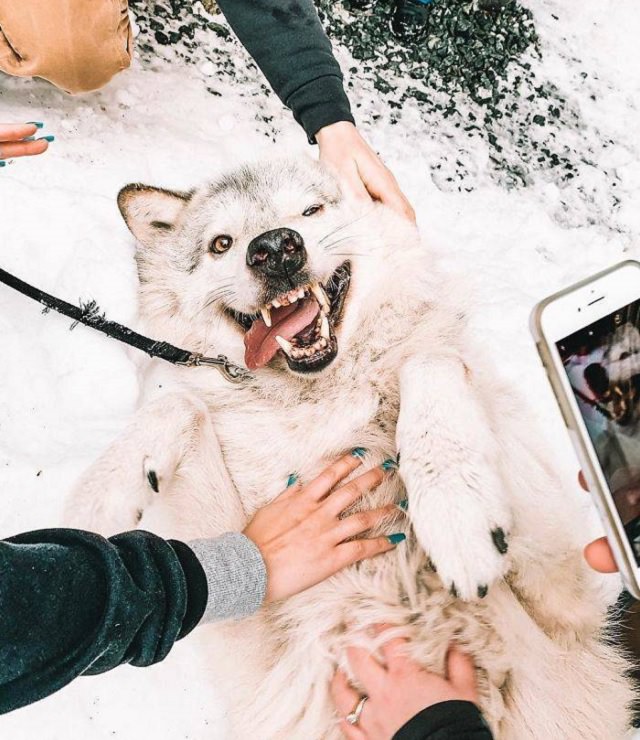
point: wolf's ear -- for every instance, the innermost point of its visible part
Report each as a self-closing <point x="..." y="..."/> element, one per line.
<point x="150" y="212"/>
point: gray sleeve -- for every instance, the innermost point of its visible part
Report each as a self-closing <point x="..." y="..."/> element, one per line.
<point x="236" y="576"/>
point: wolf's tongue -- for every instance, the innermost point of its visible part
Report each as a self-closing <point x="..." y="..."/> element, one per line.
<point x="260" y="341"/>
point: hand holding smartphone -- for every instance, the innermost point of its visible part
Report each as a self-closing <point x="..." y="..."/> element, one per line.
<point x="588" y="337"/>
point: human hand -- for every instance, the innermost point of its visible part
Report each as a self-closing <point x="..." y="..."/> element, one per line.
<point x="358" y="168"/>
<point x="301" y="536"/>
<point x="14" y="140"/>
<point x="598" y="553"/>
<point x="398" y="690"/>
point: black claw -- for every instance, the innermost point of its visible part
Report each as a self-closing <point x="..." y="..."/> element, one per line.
<point x="431" y="565"/>
<point x="483" y="591"/>
<point x="398" y="457"/>
<point x="153" y="480"/>
<point x="500" y="540"/>
<point x="453" y="591"/>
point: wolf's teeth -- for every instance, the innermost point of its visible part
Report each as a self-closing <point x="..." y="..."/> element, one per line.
<point x="276" y="303"/>
<point x="324" y="327"/>
<point x="293" y="297"/>
<point x="266" y="316"/>
<point x="301" y="293"/>
<point x="286" y="346"/>
<point x="322" y="342"/>
<point x="321" y="297"/>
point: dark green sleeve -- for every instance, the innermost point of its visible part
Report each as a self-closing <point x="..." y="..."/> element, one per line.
<point x="447" y="720"/>
<point x="72" y="603"/>
<point x="288" y="43"/>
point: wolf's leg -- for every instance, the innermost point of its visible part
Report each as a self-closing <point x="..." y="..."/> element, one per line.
<point x="113" y="493"/>
<point x="457" y="503"/>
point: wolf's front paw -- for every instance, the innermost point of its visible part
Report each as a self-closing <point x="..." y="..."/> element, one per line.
<point x="466" y="537"/>
<point x="113" y="493"/>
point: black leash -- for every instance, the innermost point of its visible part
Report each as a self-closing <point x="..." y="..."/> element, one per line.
<point x="89" y="315"/>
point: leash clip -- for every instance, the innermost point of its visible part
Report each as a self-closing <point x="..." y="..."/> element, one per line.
<point x="232" y="372"/>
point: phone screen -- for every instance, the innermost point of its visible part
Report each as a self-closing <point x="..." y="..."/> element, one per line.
<point x="602" y="362"/>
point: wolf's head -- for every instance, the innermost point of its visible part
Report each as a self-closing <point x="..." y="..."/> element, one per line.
<point x="268" y="256"/>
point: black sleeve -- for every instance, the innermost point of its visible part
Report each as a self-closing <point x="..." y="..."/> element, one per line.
<point x="72" y="603"/>
<point x="288" y="43"/>
<point x="448" y="720"/>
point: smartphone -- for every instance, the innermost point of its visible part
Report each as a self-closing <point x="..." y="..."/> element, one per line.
<point x="588" y="337"/>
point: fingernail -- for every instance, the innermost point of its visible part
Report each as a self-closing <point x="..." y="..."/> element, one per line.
<point x="46" y="138"/>
<point x="37" y="124"/>
<point x="397" y="538"/>
<point x="404" y="504"/>
<point x="291" y="479"/>
<point x="29" y="138"/>
<point x="358" y="452"/>
<point x="389" y="464"/>
<point x="2" y="164"/>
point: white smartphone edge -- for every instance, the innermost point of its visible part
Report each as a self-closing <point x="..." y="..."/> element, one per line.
<point x="555" y="318"/>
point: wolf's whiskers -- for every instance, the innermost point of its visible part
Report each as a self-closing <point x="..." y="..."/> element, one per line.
<point x="343" y="226"/>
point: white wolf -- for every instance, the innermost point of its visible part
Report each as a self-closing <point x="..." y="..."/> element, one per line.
<point x="373" y="353"/>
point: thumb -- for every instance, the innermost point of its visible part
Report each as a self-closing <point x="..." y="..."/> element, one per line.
<point x="461" y="672"/>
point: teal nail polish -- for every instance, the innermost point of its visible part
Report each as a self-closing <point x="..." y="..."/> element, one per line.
<point x="404" y="504"/>
<point x="37" y="124"/>
<point x="293" y="478"/>
<point x="389" y="464"/>
<point x="358" y="452"/>
<point x="46" y="138"/>
<point x="397" y="538"/>
<point x="2" y="164"/>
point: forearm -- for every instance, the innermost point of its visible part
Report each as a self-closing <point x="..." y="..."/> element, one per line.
<point x="448" y="720"/>
<point x="72" y="602"/>
<point x="291" y="48"/>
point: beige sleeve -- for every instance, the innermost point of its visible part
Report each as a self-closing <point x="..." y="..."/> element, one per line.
<point x="78" y="45"/>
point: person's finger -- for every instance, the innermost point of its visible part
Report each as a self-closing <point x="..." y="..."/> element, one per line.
<point x="394" y="649"/>
<point x="345" y="697"/>
<point x="331" y="476"/>
<point x="582" y="481"/>
<point x="352" y="732"/>
<point x="600" y="557"/>
<point x="9" y="149"/>
<point x="351" y="183"/>
<point x="16" y="131"/>
<point x="352" y="552"/>
<point x="362" y="521"/>
<point x="461" y="670"/>
<point x="342" y="498"/>
<point x="370" y="674"/>
<point x="294" y="486"/>
<point x="386" y="189"/>
<point x="383" y="186"/>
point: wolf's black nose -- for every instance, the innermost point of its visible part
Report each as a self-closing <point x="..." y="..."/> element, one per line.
<point x="276" y="253"/>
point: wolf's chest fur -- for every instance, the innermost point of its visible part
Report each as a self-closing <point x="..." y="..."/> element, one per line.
<point x="264" y="440"/>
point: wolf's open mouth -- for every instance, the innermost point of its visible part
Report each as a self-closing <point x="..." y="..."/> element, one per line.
<point x="300" y="323"/>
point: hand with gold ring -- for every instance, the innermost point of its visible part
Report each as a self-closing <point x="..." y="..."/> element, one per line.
<point x="396" y="691"/>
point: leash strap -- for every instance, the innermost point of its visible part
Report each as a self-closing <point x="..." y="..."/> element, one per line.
<point x="89" y="315"/>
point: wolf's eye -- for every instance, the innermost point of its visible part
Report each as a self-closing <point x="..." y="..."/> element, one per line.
<point x="220" y="243"/>
<point x="312" y="209"/>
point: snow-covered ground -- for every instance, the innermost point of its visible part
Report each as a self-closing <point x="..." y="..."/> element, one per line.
<point x="64" y="395"/>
